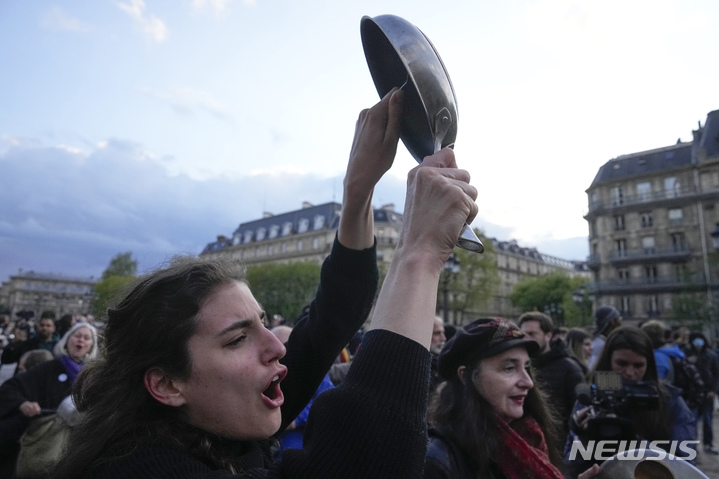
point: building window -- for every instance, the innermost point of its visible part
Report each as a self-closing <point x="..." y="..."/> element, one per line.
<point x="672" y="187"/>
<point x="315" y="243"/>
<point x="236" y="240"/>
<point x="648" y="244"/>
<point x="625" y="305"/>
<point x="653" y="305"/>
<point x="676" y="215"/>
<point x="651" y="274"/>
<point x="617" y="195"/>
<point x="300" y="245"/>
<point x="678" y="241"/>
<point x="644" y="191"/>
<point x="248" y="237"/>
<point x="621" y="247"/>
<point x="318" y="223"/>
<point x="304" y="225"/>
<point x="287" y="228"/>
<point x="270" y="250"/>
<point x="623" y="275"/>
<point x="274" y="231"/>
<point x="619" y="222"/>
<point x="261" y="233"/>
<point x="645" y="219"/>
<point x="283" y="248"/>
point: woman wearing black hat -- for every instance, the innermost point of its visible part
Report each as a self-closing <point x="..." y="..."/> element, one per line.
<point x="489" y="420"/>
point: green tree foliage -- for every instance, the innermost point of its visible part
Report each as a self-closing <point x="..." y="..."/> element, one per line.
<point x="691" y="309"/>
<point x="284" y="288"/>
<point x="473" y="285"/>
<point x="554" y="294"/>
<point x="121" y="265"/>
<point x="120" y="272"/>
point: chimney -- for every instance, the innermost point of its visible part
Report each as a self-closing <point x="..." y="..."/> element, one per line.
<point x="267" y="214"/>
<point x="221" y="238"/>
<point x="388" y="207"/>
<point x="306" y="204"/>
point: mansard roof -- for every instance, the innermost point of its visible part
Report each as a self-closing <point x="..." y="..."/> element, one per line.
<point x="709" y="139"/>
<point x="35" y="276"/>
<point x="513" y="248"/>
<point x="705" y="144"/>
<point x="309" y="218"/>
<point x="645" y="163"/>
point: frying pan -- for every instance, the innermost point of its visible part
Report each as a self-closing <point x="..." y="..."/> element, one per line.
<point x="399" y="55"/>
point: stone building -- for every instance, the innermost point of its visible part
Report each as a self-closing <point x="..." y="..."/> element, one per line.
<point x="652" y="219"/>
<point x="307" y="234"/>
<point x="301" y="235"/>
<point x="515" y="263"/>
<point x="38" y="292"/>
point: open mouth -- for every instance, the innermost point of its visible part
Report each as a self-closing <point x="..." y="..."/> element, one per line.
<point x="272" y="395"/>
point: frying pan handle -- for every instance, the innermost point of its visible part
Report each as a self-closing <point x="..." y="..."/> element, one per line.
<point x="442" y="121"/>
<point x="469" y="241"/>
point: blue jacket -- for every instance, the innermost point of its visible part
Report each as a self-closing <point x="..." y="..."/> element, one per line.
<point x="662" y="357"/>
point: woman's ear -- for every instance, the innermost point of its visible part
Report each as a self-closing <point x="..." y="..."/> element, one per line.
<point x="460" y="372"/>
<point x="162" y="388"/>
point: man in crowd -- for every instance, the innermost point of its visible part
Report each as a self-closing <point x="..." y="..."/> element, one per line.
<point x="44" y="338"/>
<point x="557" y="374"/>
<point x="438" y="340"/>
<point x="606" y="320"/>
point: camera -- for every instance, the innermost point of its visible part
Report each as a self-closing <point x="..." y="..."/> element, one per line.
<point x="612" y="400"/>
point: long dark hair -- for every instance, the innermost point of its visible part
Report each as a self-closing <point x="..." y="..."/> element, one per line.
<point x="466" y="418"/>
<point x="650" y="425"/>
<point x="575" y="344"/>
<point x="150" y="327"/>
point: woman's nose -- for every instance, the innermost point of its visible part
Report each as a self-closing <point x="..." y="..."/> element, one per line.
<point x="526" y="380"/>
<point x="274" y="349"/>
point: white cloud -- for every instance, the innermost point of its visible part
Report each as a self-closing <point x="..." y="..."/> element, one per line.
<point x="150" y="25"/>
<point x="56" y="19"/>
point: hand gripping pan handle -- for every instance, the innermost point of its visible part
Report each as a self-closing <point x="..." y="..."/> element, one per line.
<point x="399" y="55"/>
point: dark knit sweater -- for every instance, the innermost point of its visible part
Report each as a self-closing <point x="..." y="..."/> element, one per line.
<point x="372" y="426"/>
<point x="46" y="384"/>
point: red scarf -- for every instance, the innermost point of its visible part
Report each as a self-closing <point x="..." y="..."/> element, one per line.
<point x="523" y="452"/>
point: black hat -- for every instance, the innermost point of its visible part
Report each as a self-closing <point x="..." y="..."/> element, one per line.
<point x="603" y="317"/>
<point x="482" y="338"/>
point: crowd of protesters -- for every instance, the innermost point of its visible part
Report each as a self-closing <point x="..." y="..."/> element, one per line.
<point x="192" y="379"/>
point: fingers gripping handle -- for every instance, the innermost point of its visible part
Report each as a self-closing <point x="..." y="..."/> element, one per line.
<point x="469" y="241"/>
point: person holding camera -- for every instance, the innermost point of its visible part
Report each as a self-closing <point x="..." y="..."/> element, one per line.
<point x="628" y="351"/>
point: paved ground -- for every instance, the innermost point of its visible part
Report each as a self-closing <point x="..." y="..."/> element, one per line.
<point x="709" y="463"/>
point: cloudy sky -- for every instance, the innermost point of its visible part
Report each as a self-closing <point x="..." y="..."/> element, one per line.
<point x="153" y="126"/>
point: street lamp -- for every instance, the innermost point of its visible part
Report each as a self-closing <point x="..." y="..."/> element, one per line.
<point x="451" y="268"/>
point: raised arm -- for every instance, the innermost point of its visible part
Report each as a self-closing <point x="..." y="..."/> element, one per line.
<point x="372" y="154"/>
<point x="439" y="201"/>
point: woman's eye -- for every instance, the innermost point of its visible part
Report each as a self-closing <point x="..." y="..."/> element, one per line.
<point x="237" y="341"/>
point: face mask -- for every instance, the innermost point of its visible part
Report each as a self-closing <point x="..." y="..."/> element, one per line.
<point x="698" y="342"/>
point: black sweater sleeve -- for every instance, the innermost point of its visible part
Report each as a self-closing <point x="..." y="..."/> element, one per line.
<point x="373" y="425"/>
<point x="343" y="300"/>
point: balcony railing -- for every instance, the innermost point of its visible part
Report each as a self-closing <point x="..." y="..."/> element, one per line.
<point x="646" y="285"/>
<point x="678" y="253"/>
<point x="649" y="197"/>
